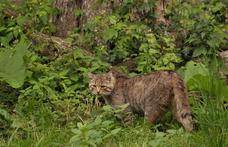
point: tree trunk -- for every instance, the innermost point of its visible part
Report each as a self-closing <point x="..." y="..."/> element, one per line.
<point x="66" y="20"/>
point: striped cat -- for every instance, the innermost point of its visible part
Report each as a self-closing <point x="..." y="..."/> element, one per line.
<point x="148" y="95"/>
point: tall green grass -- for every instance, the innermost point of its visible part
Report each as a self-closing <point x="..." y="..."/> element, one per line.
<point x="212" y="111"/>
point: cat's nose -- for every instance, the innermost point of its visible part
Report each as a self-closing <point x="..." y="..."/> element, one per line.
<point x="98" y="92"/>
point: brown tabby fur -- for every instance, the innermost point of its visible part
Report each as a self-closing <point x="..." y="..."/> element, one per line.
<point x="148" y="95"/>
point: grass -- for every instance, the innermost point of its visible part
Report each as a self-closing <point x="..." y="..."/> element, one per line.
<point x="36" y="137"/>
<point x="210" y="133"/>
<point x="211" y="116"/>
<point x="51" y="134"/>
<point x="210" y="121"/>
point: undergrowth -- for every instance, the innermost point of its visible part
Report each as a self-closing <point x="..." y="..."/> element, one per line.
<point x="44" y="99"/>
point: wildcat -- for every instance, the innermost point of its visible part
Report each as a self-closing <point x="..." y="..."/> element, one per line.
<point x="148" y="95"/>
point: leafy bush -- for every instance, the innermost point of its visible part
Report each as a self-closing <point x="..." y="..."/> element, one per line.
<point x="42" y="98"/>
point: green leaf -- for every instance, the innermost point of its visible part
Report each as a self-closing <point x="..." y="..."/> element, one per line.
<point x="76" y="139"/>
<point x="78" y="52"/>
<point x="100" y="2"/>
<point x="9" y="36"/>
<point x="2" y="28"/>
<point x="15" y="33"/>
<point x="82" y="69"/>
<point x="171" y="65"/>
<point x="52" y="28"/>
<point x="64" y="72"/>
<point x="115" y="131"/>
<point x="77" y="12"/>
<point x="45" y="19"/>
<point x="209" y="83"/>
<point x="5" y="115"/>
<point x="49" y="10"/>
<point x="74" y="78"/>
<point x="97" y="120"/>
<point x="199" y="51"/>
<point x="20" y="22"/>
<point x="13" y="71"/>
<point x="4" y="41"/>
<point x="89" y="27"/>
<point x="160" y="134"/>
<point x="154" y="143"/>
<point x="91" y="143"/>
<point x="76" y="131"/>
<point x="203" y="34"/>
<point x="109" y="34"/>
<point x="191" y="69"/>
<point x="79" y="124"/>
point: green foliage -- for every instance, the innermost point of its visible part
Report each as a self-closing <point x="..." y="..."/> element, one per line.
<point x="93" y="133"/>
<point x="128" y="39"/>
<point x="212" y="113"/>
<point x="13" y="71"/>
<point x="5" y="117"/>
<point x="45" y="100"/>
<point x="197" y="76"/>
<point x="206" y="25"/>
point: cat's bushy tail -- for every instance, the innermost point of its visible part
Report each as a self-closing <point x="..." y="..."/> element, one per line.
<point x="180" y="104"/>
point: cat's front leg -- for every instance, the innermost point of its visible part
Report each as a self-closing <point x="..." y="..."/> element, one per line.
<point x="126" y="117"/>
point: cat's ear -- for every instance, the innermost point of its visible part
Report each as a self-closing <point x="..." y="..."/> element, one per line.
<point x="90" y="75"/>
<point x="109" y="75"/>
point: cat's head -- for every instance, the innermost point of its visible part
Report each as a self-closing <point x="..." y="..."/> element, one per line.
<point x="102" y="84"/>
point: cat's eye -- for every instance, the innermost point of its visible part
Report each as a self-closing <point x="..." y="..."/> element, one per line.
<point x="94" y="85"/>
<point x="102" y="86"/>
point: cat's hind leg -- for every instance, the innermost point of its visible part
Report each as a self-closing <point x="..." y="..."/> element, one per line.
<point x="152" y="114"/>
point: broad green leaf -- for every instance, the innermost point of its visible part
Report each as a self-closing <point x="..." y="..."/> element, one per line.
<point x="82" y="69"/>
<point x="160" y="134"/>
<point x="75" y="86"/>
<point x="199" y="51"/>
<point x="64" y="72"/>
<point x="107" y="122"/>
<point x="20" y="22"/>
<point x="93" y="134"/>
<point x="191" y="69"/>
<point x="203" y="34"/>
<point x="13" y="64"/>
<point x="76" y="131"/>
<point x="9" y="36"/>
<point x="49" y="10"/>
<point x="52" y="28"/>
<point x="171" y="65"/>
<point x="2" y="28"/>
<point x="74" y="77"/>
<point x="97" y="120"/>
<point x="5" y="115"/>
<point x="75" y="139"/>
<point x="4" y="41"/>
<point x="91" y="143"/>
<point x="45" y="19"/>
<point x="154" y="143"/>
<point x="79" y="124"/>
<point x="26" y="18"/>
<point x="209" y="83"/>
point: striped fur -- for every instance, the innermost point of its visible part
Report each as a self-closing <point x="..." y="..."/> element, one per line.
<point x="148" y="95"/>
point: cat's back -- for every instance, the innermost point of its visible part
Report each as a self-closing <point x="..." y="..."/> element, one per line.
<point x="157" y="84"/>
<point x="161" y="76"/>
